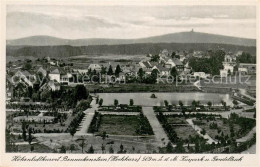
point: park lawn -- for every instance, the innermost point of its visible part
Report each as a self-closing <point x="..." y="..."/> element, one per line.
<point x="56" y="126"/>
<point x="183" y="132"/>
<point x="176" y="120"/>
<point x="118" y="124"/>
<point x="17" y="126"/>
<point x="223" y="127"/>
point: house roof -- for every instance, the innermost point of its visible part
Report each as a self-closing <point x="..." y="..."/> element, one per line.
<point x="56" y="71"/>
<point x="94" y="66"/>
<point x="154" y="64"/>
<point x="147" y="65"/>
<point x="177" y="62"/>
<point x="26" y="73"/>
<point x="161" y="68"/>
<point x="41" y="70"/>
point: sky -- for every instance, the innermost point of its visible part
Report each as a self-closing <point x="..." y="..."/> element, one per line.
<point x="128" y="22"/>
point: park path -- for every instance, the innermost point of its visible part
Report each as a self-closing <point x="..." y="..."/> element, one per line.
<point x="244" y="93"/>
<point x="247" y="137"/>
<point x="89" y="114"/>
<point x="24" y="143"/>
<point x="198" y="129"/>
<point x="197" y="84"/>
<point x="156" y="126"/>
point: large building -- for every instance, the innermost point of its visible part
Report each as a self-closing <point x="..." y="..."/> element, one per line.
<point x="228" y="64"/>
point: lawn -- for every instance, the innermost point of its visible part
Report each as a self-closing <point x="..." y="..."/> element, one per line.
<point x="118" y="124"/>
<point x="183" y="132"/>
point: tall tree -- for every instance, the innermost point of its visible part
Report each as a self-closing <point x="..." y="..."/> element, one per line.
<point x="155" y="58"/>
<point x="100" y="102"/>
<point x="209" y="104"/>
<point x="111" y="150"/>
<point x="115" y="102"/>
<point x="140" y="73"/>
<point x="80" y="92"/>
<point x="166" y="103"/>
<point x="110" y="70"/>
<point x="131" y="102"/>
<point x="103" y="70"/>
<point x="118" y="70"/>
<point x="174" y="72"/>
<point x="90" y="150"/>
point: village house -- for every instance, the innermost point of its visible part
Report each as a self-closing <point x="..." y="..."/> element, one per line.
<point x="42" y="71"/>
<point x="228" y="64"/>
<point x="95" y="67"/>
<point x="201" y="75"/>
<point x="55" y="75"/>
<point x="178" y="65"/>
<point x="50" y="85"/>
<point x="24" y="76"/>
<point x="163" y="71"/>
<point x="164" y="53"/>
<point x="247" y="68"/>
<point x="145" y="64"/>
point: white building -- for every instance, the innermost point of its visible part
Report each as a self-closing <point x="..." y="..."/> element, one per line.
<point x="223" y="73"/>
<point x="55" y="75"/>
<point x="93" y="67"/>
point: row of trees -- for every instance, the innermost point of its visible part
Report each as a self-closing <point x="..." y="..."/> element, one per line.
<point x="168" y="128"/>
<point x="210" y="65"/>
<point x="100" y="102"/>
<point x="104" y="71"/>
<point x="75" y="123"/>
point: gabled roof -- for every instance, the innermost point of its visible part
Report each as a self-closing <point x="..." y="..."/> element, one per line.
<point x="41" y="70"/>
<point x="177" y="62"/>
<point x="56" y="71"/>
<point x="26" y="73"/>
<point x="147" y="65"/>
<point x="161" y="68"/>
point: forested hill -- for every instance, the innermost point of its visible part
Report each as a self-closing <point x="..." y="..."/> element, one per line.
<point x="180" y="37"/>
<point x="127" y="49"/>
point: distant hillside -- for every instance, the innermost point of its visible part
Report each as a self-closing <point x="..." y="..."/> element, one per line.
<point x="182" y="37"/>
<point x="120" y="50"/>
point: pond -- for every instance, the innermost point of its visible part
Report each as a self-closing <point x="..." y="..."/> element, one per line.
<point x="144" y="99"/>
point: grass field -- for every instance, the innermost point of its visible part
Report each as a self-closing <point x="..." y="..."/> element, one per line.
<point x="184" y="132"/>
<point x="118" y="124"/>
<point x="181" y="127"/>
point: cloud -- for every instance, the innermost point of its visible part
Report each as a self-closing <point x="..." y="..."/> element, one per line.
<point x="128" y="21"/>
<point x="27" y="20"/>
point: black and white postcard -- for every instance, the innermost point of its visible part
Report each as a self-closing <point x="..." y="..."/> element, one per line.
<point x="123" y="83"/>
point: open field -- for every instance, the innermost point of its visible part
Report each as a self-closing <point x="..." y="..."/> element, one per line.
<point x="183" y="132"/>
<point x="118" y="124"/>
